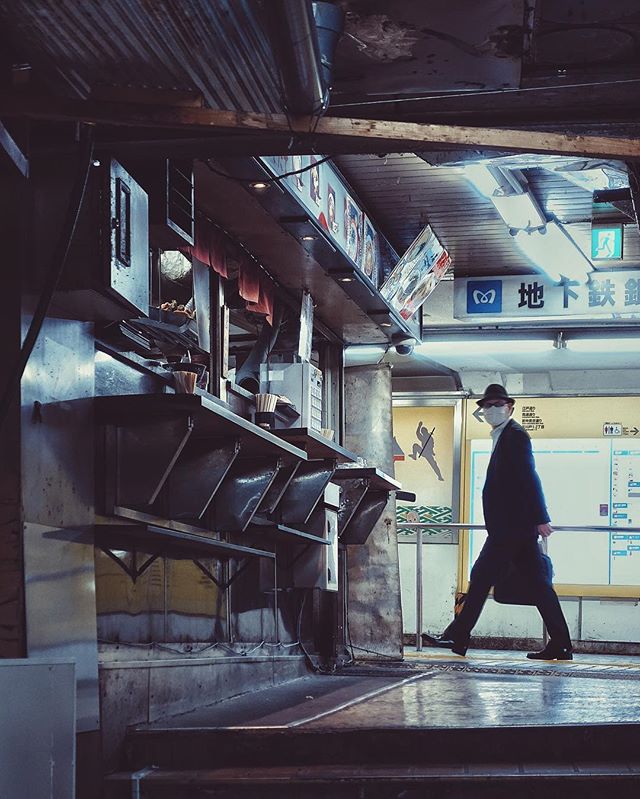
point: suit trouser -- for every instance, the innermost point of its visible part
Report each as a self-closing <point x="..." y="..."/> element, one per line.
<point x="525" y="554"/>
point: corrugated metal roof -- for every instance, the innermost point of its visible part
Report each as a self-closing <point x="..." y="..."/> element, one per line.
<point x="403" y="193"/>
<point x="559" y="197"/>
<point x="216" y="48"/>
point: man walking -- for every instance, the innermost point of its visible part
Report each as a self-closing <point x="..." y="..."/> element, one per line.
<point x="515" y="515"/>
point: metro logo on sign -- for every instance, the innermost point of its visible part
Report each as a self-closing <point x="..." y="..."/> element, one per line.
<point x="484" y="296"/>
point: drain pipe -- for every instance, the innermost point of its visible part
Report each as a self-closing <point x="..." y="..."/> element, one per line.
<point x="303" y="37"/>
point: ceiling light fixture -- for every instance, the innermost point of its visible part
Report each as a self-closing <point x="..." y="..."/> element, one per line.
<point x="308" y="237"/>
<point x="519" y="211"/>
<point x="485" y="346"/>
<point x="610" y="344"/>
<point x="259" y="185"/>
<point x="508" y="191"/>
<point x="346" y="280"/>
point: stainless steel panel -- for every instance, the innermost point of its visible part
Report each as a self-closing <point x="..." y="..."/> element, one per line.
<point x="128" y="611"/>
<point x="61" y="608"/>
<point x="196" y="606"/>
<point x="353" y="492"/>
<point x="278" y="488"/>
<point x="197" y="476"/>
<point x="251" y="603"/>
<point x="58" y="502"/>
<point x="305" y="491"/>
<point x="115" y="377"/>
<point x="317" y="565"/>
<point x="37" y="729"/>
<point x="145" y="455"/>
<point x="365" y="517"/>
<point x="242" y="491"/>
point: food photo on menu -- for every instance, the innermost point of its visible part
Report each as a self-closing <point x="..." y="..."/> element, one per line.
<point x="416" y="274"/>
<point x="353" y="228"/>
<point x="370" y="254"/>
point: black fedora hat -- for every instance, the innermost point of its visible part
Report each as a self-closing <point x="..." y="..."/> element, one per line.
<point x="494" y="392"/>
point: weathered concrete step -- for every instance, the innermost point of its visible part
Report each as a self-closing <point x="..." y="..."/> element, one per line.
<point x="207" y="748"/>
<point x="477" y="780"/>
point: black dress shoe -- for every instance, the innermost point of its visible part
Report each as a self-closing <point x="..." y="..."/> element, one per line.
<point x="552" y="652"/>
<point x="444" y="642"/>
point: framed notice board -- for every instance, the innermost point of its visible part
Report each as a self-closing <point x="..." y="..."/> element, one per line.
<point x="586" y="481"/>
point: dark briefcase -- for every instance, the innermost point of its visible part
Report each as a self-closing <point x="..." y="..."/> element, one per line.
<point x="514" y="588"/>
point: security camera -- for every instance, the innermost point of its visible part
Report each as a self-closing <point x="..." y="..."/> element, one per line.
<point x="404" y="344"/>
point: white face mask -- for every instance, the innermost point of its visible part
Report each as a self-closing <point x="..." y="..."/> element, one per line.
<point x="496" y="415"/>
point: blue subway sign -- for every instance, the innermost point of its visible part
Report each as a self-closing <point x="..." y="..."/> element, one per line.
<point x="484" y="296"/>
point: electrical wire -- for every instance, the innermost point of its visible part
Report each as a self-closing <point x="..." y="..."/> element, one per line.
<point x="275" y="179"/>
<point x="192" y="651"/>
<point x="59" y="260"/>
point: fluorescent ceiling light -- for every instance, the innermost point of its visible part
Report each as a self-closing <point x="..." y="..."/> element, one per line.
<point x="361" y="355"/>
<point x="508" y="191"/>
<point x="495" y="181"/>
<point x="555" y="253"/>
<point x="482" y="178"/>
<point x="609" y="344"/>
<point x="519" y="211"/>
<point x="484" y="346"/>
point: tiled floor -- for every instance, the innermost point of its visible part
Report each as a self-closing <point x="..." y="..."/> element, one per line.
<point x="433" y="689"/>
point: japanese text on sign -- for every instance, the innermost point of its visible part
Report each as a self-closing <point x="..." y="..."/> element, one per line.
<point x="610" y="293"/>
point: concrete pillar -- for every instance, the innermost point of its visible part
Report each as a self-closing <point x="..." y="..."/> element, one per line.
<point x="374" y="609"/>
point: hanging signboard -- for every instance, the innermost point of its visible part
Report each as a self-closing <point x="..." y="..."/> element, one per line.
<point x="416" y="274"/>
<point x="536" y="296"/>
<point x="322" y="192"/>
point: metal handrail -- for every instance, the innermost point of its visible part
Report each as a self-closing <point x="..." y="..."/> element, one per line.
<point x="419" y="527"/>
<point x="560" y="527"/>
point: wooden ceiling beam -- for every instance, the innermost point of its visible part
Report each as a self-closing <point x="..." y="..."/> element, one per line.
<point x="327" y="134"/>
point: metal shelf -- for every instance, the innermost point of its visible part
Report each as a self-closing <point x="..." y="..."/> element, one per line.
<point x="378" y="480"/>
<point x="165" y="541"/>
<point x="179" y="455"/>
<point x="211" y="418"/>
<point x="315" y="444"/>
<point x="285" y="533"/>
<point x="365" y="493"/>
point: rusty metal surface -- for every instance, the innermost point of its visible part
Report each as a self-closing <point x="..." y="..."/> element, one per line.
<point x="409" y="48"/>
<point x="214" y="49"/>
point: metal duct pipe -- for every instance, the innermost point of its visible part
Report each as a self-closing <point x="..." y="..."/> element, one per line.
<point x="304" y="67"/>
<point x="248" y="375"/>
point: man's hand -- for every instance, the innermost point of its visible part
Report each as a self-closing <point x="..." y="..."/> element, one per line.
<point x="544" y="530"/>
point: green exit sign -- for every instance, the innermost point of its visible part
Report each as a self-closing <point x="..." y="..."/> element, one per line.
<point x="606" y="243"/>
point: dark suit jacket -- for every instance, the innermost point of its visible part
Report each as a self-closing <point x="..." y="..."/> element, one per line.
<point x="512" y="497"/>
